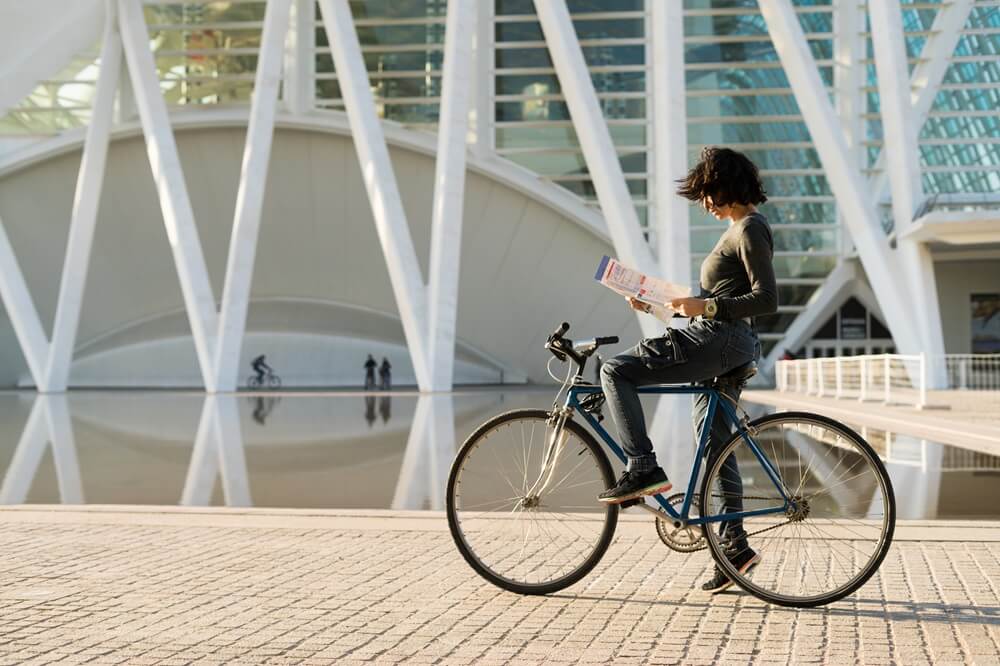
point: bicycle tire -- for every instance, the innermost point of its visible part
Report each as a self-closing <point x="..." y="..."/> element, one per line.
<point x="837" y="557"/>
<point x="274" y="382"/>
<point x="253" y="382"/>
<point x="453" y="502"/>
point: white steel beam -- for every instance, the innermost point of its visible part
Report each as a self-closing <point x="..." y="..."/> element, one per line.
<point x="89" y="183"/>
<point x="380" y="182"/>
<point x="849" y="76"/>
<point x="900" y="132"/>
<point x="670" y="140"/>
<point x="925" y="81"/>
<point x="595" y="141"/>
<point x="250" y="196"/>
<point x="218" y="450"/>
<point x="21" y="310"/>
<point x="178" y="216"/>
<point x="483" y="84"/>
<point x="299" y="91"/>
<point x="845" y="179"/>
<point x="449" y="192"/>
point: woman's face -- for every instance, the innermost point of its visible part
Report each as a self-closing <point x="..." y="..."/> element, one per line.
<point x="718" y="212"/>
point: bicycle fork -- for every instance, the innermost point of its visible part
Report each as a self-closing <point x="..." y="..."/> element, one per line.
<point x="553" y="451"/>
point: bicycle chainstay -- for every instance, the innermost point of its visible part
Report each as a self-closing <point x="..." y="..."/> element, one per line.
<point x="666" y="517"/>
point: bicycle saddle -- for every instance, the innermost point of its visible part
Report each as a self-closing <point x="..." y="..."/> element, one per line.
<point x="740" y="374"/>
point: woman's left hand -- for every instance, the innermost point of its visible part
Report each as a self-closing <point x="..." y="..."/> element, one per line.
<point x="688" y="307"/>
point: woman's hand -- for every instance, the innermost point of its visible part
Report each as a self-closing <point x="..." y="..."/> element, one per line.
<point x="641" y="306"/>
<point x="688" y="307"/>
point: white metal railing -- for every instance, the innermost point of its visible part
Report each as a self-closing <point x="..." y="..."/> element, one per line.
<point x="973" y="372"/>
<point x="888" y="378"/>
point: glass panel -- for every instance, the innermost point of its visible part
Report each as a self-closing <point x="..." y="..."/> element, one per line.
<point x="542" y="84"/>
<point x="564" y="137"/>
<point x="575" y="6"/>
<point x="531" y="31"/>
<point x="596" y="56"/>
<point x="543" y="109"/>
<point x="572" y="163"/>
<point x="396" y="9"/>
<point x="209" y="12"/>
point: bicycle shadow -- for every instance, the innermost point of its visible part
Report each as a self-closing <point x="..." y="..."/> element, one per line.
<point x="922" y="611"/>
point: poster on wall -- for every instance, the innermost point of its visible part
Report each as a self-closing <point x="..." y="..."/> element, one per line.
<point x="985" y="323"/>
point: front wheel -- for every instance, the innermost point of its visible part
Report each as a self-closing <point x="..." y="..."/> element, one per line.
<point x="522" y="503"/>
<point x="274" y="381"/>
<point x="832" y="533"/>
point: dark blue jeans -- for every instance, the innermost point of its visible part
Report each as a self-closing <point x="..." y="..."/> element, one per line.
<point x="699" y="353"/>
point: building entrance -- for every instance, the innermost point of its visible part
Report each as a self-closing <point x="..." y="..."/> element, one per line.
<point x="851" y="331"/>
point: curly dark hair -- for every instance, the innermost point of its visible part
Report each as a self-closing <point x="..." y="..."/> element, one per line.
<point x="729" y="177"/>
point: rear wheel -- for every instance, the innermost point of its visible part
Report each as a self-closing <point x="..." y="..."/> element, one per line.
<point x="829" y="539"/>
<point x="517" y="531"/>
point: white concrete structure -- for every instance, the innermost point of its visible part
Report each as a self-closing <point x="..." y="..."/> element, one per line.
<point x="272" y="250"/>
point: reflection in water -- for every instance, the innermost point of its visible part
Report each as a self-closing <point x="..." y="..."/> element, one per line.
<point x="312" y="451"/>
<point x="263" y="405"/>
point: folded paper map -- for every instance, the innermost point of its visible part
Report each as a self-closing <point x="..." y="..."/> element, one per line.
<point x="632" y="284"/>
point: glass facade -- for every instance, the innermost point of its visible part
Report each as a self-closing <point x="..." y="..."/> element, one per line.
<point x="736" y="91"/>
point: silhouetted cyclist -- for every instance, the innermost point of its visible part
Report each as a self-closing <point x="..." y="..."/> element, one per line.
<point x="261" y="367"/>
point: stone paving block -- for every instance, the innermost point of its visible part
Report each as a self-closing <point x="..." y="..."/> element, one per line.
<point x="176" y="593"/>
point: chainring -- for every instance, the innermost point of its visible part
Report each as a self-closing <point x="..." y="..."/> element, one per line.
<point x="686" y="539"/>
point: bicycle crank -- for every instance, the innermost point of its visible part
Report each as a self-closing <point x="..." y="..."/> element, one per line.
<point x="684" y="539"/>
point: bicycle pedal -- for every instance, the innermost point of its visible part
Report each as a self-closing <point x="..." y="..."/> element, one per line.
<point x="635" y="501"/>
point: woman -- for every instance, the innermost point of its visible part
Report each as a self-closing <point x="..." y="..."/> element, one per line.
<point x="737" y="283"/>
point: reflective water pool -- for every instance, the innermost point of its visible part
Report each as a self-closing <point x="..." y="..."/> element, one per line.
<point x="345" y="450"/>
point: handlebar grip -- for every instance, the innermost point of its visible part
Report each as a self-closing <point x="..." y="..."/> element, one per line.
<point x="561" y="330"/>
<point x="610" y="340"/>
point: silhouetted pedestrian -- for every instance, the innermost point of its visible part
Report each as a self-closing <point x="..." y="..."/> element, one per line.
<point x="370" y="366"/>
<point x="385" y="374"/>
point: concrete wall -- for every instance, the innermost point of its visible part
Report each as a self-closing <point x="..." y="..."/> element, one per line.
<point x="526" y="266"/>
<point x="956" y="282"/>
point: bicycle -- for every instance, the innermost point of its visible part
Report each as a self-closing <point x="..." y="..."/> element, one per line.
<point x="813" y="496"/>
<point x="270" y="380"/>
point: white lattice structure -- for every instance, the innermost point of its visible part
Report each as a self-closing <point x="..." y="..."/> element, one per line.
<point x="460" y="84"/>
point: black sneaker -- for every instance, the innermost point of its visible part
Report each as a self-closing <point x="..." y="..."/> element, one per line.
<point x="633" y="485"/>
<point x="744" y="561"/>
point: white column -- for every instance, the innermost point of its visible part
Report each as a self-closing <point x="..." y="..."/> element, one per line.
<point x="670" y="147"/>
<point x="380" y="182"/>
<point x="178" y="217"/>
<point x="89" y="183"/>
<point x="903" y="159"/>
<point x="845" y="180"/>
<point x="22" y="312"/>
<point x="449" y="192"/>
<point x="250" y="197"/>
<point x="299" y="91"/>
<point x="595" y="141"/>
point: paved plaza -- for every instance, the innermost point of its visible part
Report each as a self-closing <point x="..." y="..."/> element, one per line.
<point x="174" y="586"/>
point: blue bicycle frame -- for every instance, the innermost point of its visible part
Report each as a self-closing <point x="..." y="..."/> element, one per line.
<point x="714" y="401"/>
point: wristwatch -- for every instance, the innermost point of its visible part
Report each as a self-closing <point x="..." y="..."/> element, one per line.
<point x="711" y="308"/>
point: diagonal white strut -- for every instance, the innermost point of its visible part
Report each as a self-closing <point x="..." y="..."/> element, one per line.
<point x="380" y="181"/>
<point x="595" y="141"/>
<point x="250" y="197"/>
<point x="844" y="177"/>
<point x="178" y="216"/>
<point x="449" y="192"/>
<point x="84" y="219"/>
